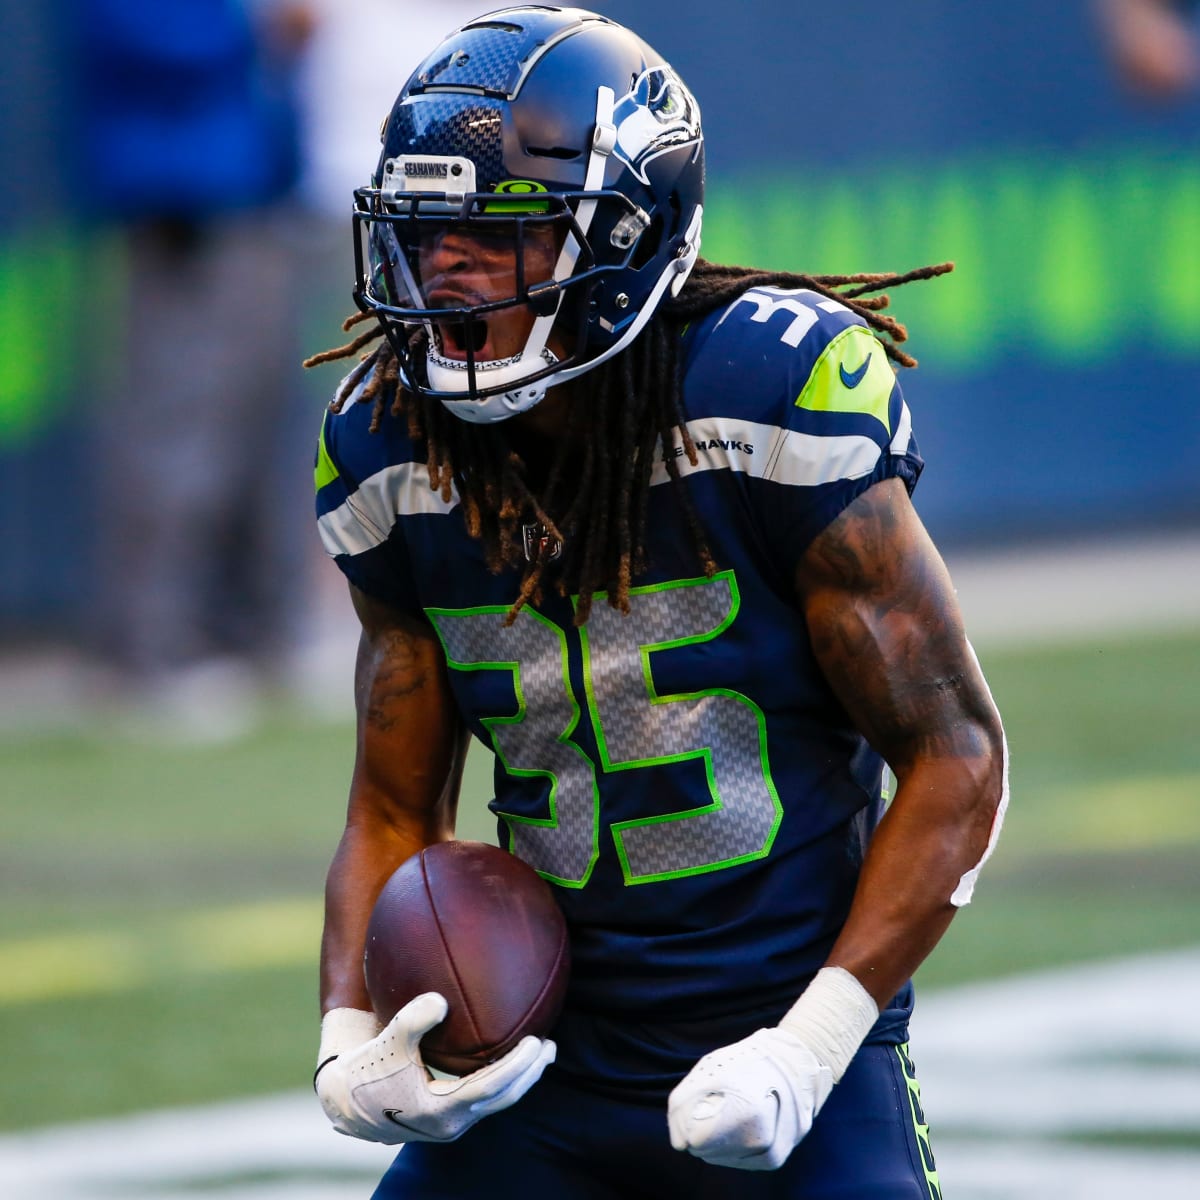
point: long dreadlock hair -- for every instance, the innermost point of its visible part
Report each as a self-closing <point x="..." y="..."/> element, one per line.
<point x="594" y="507"/>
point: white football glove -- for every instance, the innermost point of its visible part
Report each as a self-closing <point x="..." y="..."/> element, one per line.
<point x="749" y="1105"/>
<point x="374" y="1085"/>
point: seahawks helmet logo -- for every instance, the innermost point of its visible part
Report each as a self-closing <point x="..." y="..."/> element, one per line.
<point x="656" y="115"/>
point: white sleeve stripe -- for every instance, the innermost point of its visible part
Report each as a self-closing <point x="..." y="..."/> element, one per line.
<point x="366" y="517"/>
<point x="780" y="455"/>
<point x="903" y="438"/>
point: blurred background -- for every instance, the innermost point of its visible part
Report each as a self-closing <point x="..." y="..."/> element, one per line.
<point x="175" y="656"/>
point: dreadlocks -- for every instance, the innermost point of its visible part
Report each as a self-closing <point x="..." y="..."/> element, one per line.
<point x="593" y="502"/>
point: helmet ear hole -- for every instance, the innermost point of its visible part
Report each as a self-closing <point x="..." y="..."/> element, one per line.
<point x="648" y="244"/>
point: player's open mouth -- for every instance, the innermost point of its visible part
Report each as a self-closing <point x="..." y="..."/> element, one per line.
<point x="457" y="336"/>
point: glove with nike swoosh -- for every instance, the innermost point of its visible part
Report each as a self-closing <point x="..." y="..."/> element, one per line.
<point x="373" y="1085"/>
<point x="750" y="1104"/>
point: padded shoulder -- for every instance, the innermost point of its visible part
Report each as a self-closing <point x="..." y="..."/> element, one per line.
<point x="782" y="356"/>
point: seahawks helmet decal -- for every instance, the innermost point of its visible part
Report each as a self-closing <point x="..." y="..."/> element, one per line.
<point x="657" y="114"/>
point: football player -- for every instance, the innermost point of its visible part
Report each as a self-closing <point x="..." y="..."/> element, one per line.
<point x="641" y="524"/>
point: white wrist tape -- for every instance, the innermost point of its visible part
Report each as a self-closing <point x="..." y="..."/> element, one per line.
<point x="833" y="1015"/>
<point x="343" y="1030"/>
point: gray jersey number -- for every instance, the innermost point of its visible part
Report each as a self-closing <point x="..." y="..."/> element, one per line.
<point x="635" y="727"/>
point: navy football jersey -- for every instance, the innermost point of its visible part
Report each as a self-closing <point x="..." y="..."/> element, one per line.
<point x="683" y="774"/>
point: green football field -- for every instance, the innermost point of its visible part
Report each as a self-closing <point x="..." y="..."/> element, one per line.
<point x="160" y="907"/>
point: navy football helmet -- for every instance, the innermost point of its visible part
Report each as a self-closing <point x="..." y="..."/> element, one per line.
<point x="552" y="141"/>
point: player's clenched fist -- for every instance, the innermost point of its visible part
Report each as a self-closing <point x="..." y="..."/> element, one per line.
<point x="374" y="1085"/>
<point x="749" y="1104"/>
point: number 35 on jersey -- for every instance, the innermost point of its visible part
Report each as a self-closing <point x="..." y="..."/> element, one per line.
<point x="636" y="728"/>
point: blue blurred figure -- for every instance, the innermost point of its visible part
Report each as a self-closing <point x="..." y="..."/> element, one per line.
<point x="187" y="121"/>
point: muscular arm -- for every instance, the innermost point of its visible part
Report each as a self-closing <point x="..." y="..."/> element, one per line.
<point x="887" y="631"/>
<point x="404" y="789"/>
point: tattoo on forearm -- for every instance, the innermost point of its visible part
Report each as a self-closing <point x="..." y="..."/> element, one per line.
<point x="390" y="669"/>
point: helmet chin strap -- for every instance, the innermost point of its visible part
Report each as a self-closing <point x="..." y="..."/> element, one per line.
<point x="489" y="409"/>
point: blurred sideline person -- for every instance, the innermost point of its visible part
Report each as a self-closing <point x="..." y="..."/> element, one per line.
<point x="1154" y="44"/>
<point x="190" y="140"/>
<point x="640" y="523"/>
<point x="346" y="83"/>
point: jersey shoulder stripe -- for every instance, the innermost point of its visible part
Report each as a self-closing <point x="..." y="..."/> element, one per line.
<point x="348" y="451"/>
<point x="365" y="480"/>
<point x="770" y="452"/>
<point x="365" y="517"/>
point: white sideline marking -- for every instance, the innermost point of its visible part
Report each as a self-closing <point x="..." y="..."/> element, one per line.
<point x="1079" y="591"/>
<point x="1099" y="1038"/>
<point x="1008" y="1067"/>
<point x="165" y="1155"/>
<point x="1002" y="1169"/>
<point x="1005" y="1068"/>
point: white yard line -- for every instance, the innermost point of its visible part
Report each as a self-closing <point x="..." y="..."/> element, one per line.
<point x="1011" y="1071"/>
<point x="1008" y="1069"/>
<point x="282" y="1142"/>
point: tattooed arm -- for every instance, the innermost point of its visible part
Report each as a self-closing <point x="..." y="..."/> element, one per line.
<point x="371" y="1080"/>
<point x="887" y="631"/>
<point x="404" y="789"/>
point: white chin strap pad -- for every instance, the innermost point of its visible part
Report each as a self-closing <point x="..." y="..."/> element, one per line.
<point x="490" y="409"/>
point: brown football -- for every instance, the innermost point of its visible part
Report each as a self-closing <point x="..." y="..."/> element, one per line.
<point x="480" y="926"/>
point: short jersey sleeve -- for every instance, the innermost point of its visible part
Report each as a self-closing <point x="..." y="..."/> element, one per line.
<point x="362" y="480"/>
<point x="800" y="385"/>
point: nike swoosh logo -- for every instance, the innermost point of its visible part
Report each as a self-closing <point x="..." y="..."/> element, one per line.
<point x="852" y="379"/>
<point x="393" y="1115"/>
<point x="423" y="1135"/>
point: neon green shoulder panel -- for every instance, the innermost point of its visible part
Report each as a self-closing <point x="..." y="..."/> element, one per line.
<point x="325" y="471"/>
<point x="852" y="375"/>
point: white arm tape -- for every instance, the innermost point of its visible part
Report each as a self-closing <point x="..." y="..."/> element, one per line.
<point x="833" y="1015"/>
<point x="966" y="885"/>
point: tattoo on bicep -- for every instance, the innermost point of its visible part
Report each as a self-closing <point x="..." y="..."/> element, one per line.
<point x="889" y="638"/>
